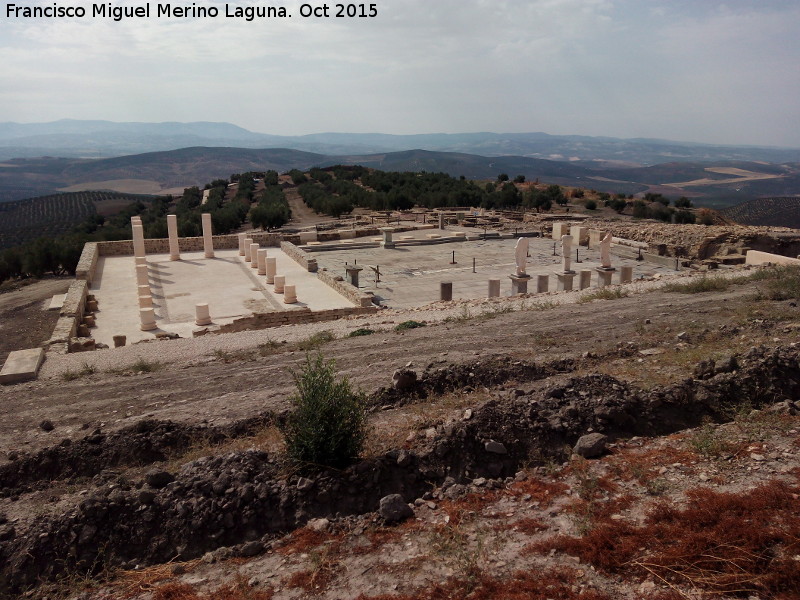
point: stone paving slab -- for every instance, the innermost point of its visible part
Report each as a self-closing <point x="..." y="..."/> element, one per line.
<point x="22" y="365"/>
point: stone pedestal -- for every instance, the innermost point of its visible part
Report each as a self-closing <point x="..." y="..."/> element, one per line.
<point x="145" y="301"/>
<point x="261" y="257"/>
<point x="202" y="315"/>
<point x="494" y="288"/>
<point x="141" y="275"/>
<point x="580" y="234"/>
<point x="91" y="305"/>
<point x="254" y="256"/>
<point x="172" y="232"/>
<point x="271" y="269"/>
<point x="139" y="260"/>
<point x="242" y="237"/>
<point x="119" y="341"/>
<point x="208" y="241"/>
<point x="387" y="237"/>
<point x="566" y="252"/>
<point x="248" y="243"/>
<point x="519" y="284"/>
<point x="542" y="284"/>
<point x="565" y="281"/>
<point x="280" y="283"/>
<point x="604" y="277"/>
<point x="446" y="290"/>
<point x="143" y="290"/>
<point x="289" y="294"/>
<point x="585" y="280"/>
<point x="559" y="230"/>
<point x="441" y="221"/>
<point x="138" y="241"/>
<point x="626" y="274"/>
<point x="595" y="235"/>
<point x="352" y="275"/>
<point x="147" y="319"/>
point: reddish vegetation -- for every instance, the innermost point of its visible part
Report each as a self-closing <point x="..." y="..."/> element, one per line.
<point x="529" y="526"/>
<point x="720" y="542"/>
<point x="553" y="584"/>
<point x="304" y="539"/>
<point x="540" y="490"/>
<point x="237" y="591"/>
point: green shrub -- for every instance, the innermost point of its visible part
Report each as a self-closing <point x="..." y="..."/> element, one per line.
<point x="408" y="325"/>
<point x="698" y="286"/>
<point x="316" y="340"/>
<point x="329" y="424"/>
<point x="360" y="332"/>
<point x="591" y="205"/>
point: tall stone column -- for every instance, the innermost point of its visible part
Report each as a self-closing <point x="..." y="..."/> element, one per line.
<point x="138" y="243"/>
<point x="208" y="242"/>
<point x="172" y="231"/>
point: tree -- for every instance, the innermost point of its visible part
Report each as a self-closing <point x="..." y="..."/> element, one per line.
<point x="329" y="424"/>
<point x="502" y="177"/>
<point x="591" y="205"/>
<point x="519" y="179"/>
<point x="683" y="202"/>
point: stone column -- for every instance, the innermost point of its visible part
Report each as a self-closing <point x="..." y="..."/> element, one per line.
<point x="446" y="290"/>
<point x="202" y="315"/>
<point x="580" y="234"/>
<point x="141" y="275"/>
<point x="144" y="290"/>
<point x="626" y="274"/>
<point x="208" y="241"/>
<point x="261" y="257"/>
<point x="242" y="237"/>
<point x="289" y="294"/>
<point x="585" y="280"/>
<point x="146" y="301"/>
<point x="138" y="244"/>
<point x="271" y="268"/>
<point x="566" y="253"/>
<point x="280" y="283"/>
<point x="247" y="248"/>
<point x="542" y="284"/>
<point x="254" y="256"/>
<point x="441" y="220"/>
<point x="172" y="231"/>
<point x="494" y="288"/>
<point x="147" y="319"/>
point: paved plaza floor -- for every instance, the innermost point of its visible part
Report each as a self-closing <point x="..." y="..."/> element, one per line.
<point x="410" y="275"/>
<point x="230" y="287"/>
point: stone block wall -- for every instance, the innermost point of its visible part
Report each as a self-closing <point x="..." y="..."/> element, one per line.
<point x="301" y="257"/>
<point x="87" y="262"/>
<point x="186" y="244"/>
<point x="70" y="316"/>
<point x="756" y="257"/>
<point x="346" y="289"/>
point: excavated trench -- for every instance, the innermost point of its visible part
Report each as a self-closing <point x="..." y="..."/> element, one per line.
<point x="243" y="499"/>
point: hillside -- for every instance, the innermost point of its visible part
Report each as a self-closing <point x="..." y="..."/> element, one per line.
<point x="783" y="212"/>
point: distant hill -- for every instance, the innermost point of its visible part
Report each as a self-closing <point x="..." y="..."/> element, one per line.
<point x="47" y="216"/>
<point x="717" y="184"/>
<point x="99" y="139"/>
<point x="776" y="212"/>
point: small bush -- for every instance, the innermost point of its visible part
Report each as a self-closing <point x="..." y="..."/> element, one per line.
<point x="785" y="284"/>
<point x="329" y="424"/>
<point x="591" y="205"/>
<point x="361" y="331"/>
<point x="408" y="325"/>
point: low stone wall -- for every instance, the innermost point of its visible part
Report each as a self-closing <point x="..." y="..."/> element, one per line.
<point x="346" y="289"/>
<point x="70" y="317"/>
<point x="299" y="256"/>
<point x="288" y="317"/>
<point x="87" y="262"/>
<point x="187" y="244"/>
<point x="756" y="257"/>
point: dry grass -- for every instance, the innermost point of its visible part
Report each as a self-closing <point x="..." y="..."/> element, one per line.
<point x="268" y="438"/>
<point x="240" y="590"/>
<point x="721" y="543"/>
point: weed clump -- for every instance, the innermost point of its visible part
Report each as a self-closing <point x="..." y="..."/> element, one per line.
<point x="315" y="341"/>
<point x="329" y="424"/>
<point x="361" y="331"/>
<point x="698" y="286"/>
<point x="408" y="325"/>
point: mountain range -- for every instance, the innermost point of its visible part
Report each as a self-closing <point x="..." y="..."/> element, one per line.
<point x="103" y="139"/>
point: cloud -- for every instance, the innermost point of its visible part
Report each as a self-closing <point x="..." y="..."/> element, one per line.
<point x="701" y="71"/>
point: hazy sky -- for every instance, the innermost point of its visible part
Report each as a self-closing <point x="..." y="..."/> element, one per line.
<point x="693" y="70"/>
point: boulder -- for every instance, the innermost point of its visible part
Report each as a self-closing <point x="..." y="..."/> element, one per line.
<point x="591" y="445"/>
<point x="394" y="509"/>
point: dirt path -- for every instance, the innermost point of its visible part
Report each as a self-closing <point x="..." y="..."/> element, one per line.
<point x="211" y="389"/>
<point x="302" y="215"/>
<point x="25" y="321"/>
